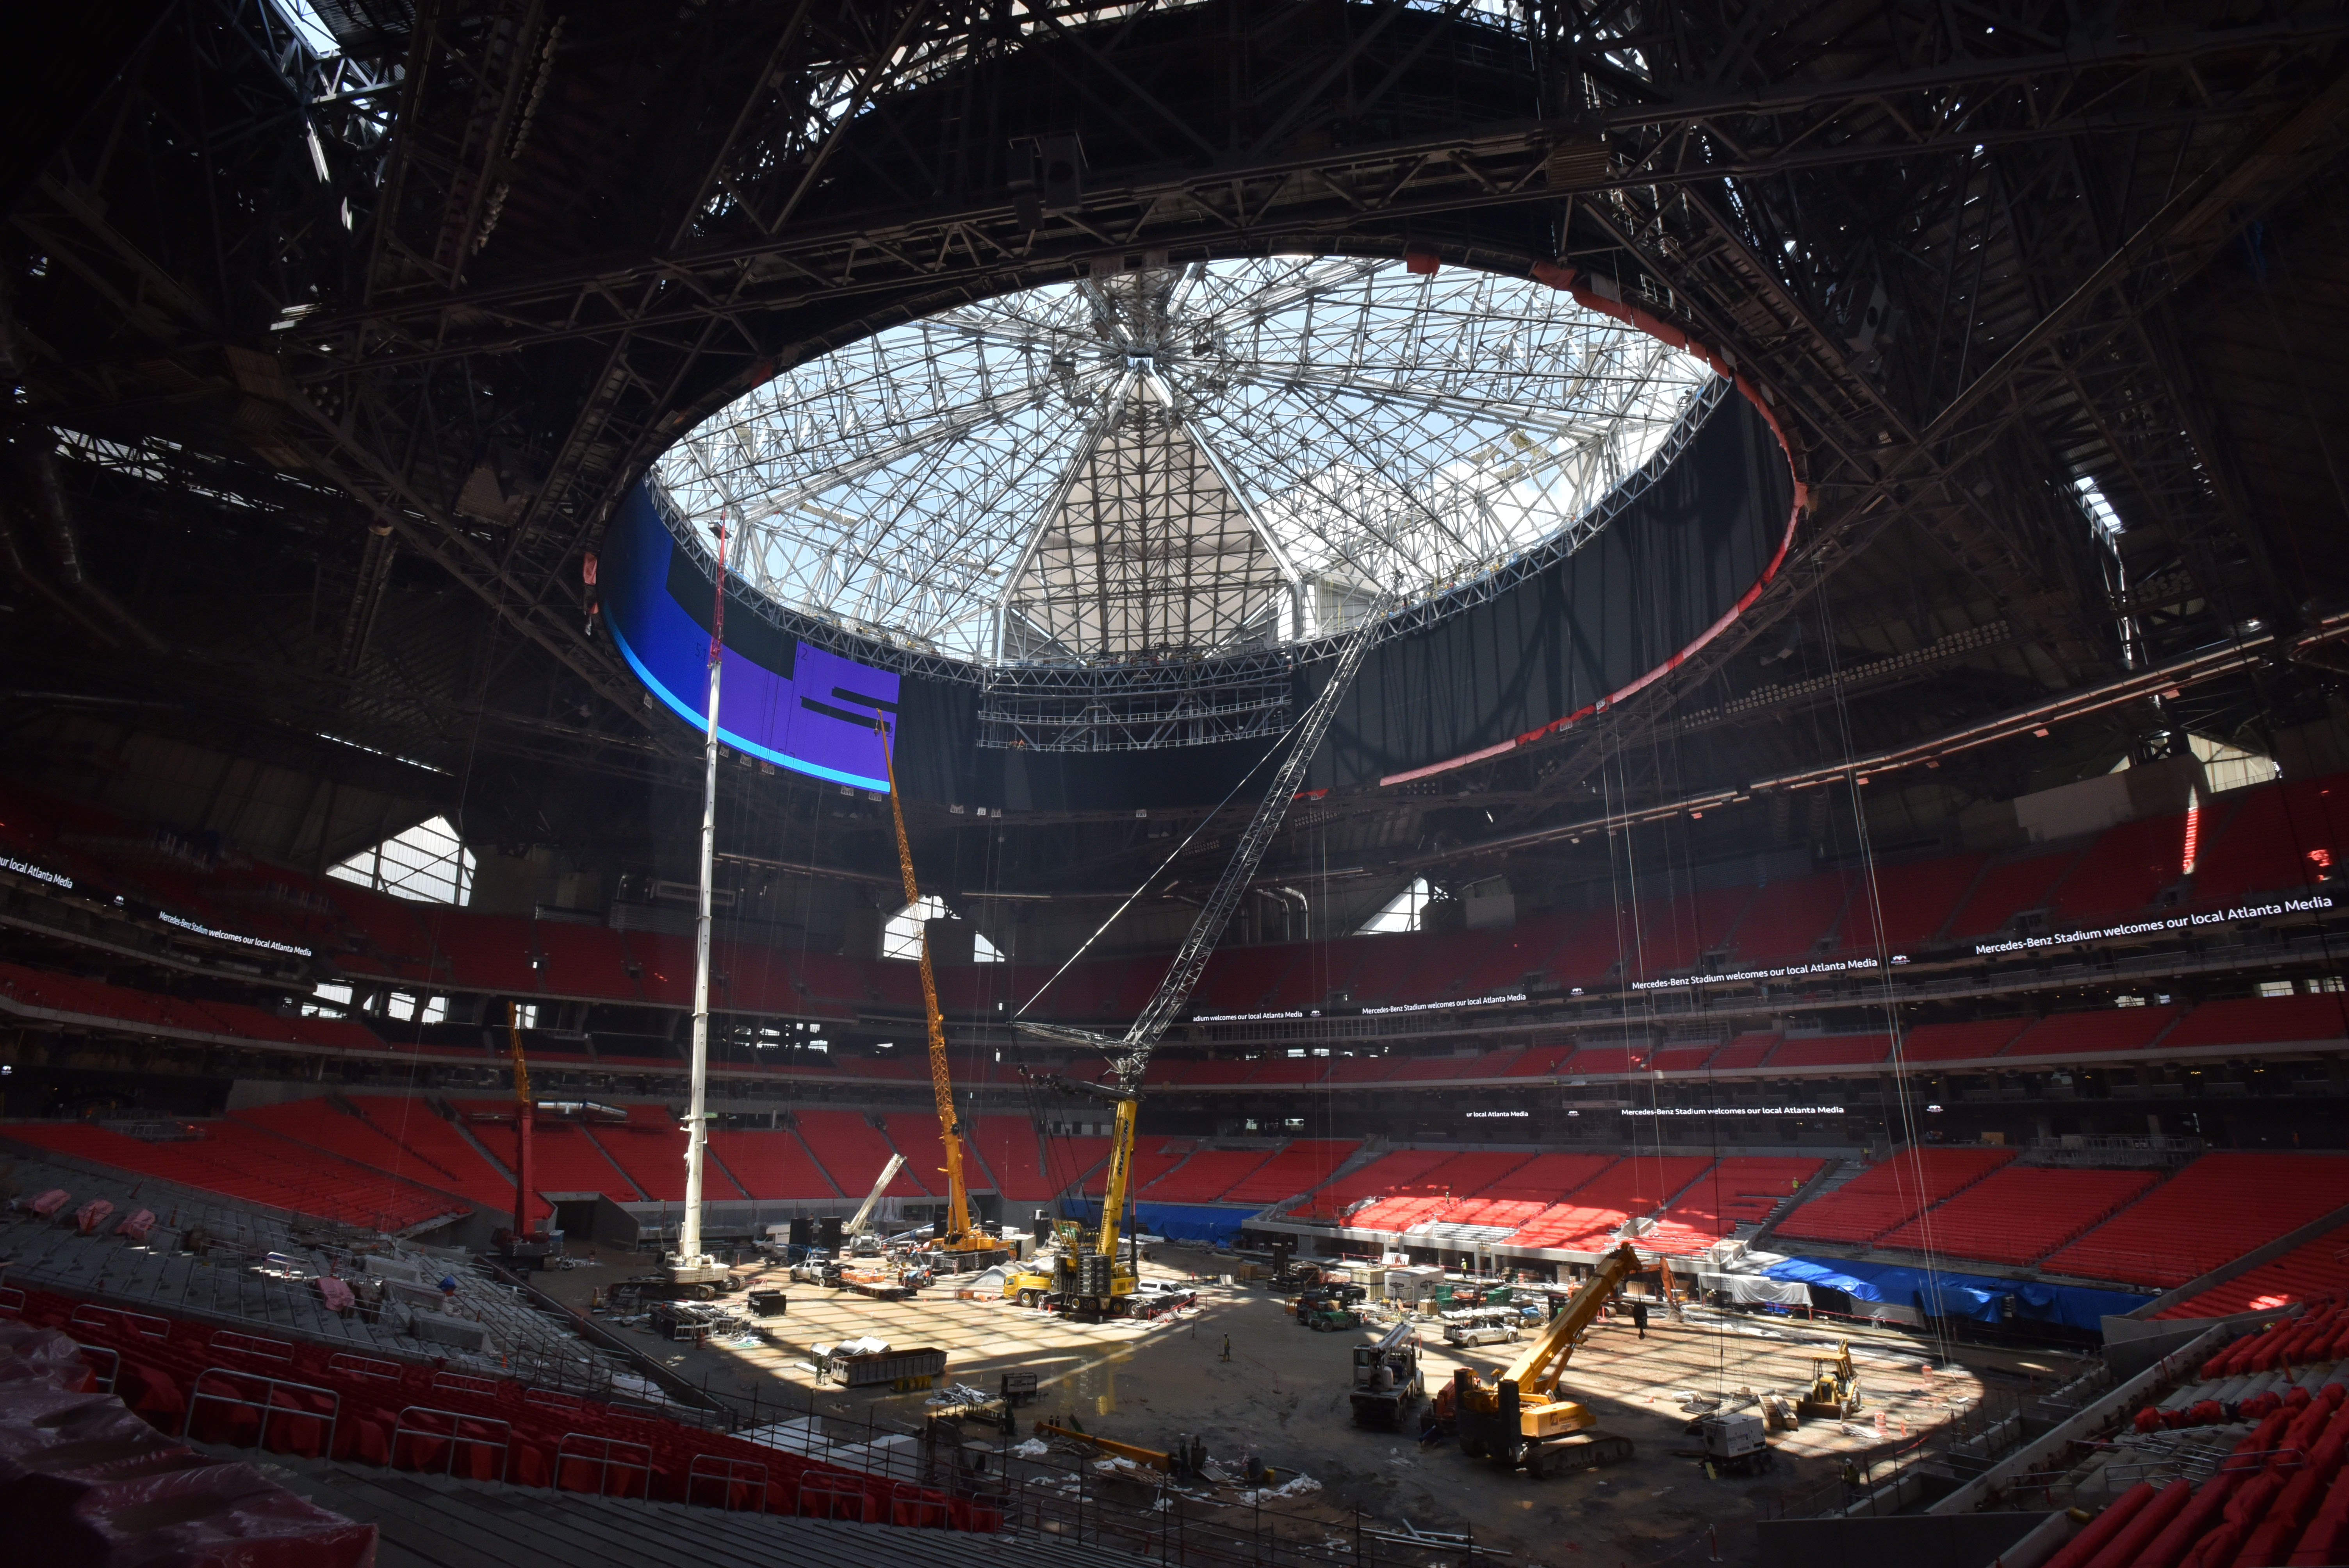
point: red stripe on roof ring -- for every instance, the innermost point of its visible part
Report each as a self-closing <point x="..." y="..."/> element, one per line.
<point x="1560" y="277"/>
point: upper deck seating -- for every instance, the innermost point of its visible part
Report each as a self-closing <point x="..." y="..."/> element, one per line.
<point x="411" y="1123"/>
<point x="1973" y="1040"/>
<point x="1789" y="920"/>
<point x="2257" y="1021"/>
<point x="1915" y="900"/>
<point x="2088" y="1034"/>
<point x="1832" y="1051"/>
<point x="1687" y="928"/>
<point x="2005" y="891"/>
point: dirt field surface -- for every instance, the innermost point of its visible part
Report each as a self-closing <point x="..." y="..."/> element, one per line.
<point x="1283" y="1398"/>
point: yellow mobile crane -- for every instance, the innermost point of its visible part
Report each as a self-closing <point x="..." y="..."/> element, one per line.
<point x="958" y="1235"/>
<point x="1518" y="1418"/>
<point x="1098" y="1282"/>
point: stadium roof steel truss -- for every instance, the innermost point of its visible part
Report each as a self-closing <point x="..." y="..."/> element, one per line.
<point x="1174" y="463"/>
<point x="483" y="267"/>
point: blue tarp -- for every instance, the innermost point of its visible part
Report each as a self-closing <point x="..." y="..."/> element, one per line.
<point x="1177" y="1222"/>
<point x="1943" y="1294"/>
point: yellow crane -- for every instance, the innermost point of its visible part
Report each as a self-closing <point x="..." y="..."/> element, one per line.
<point x="960" y="1231"/>
<point x="1094" y="1282"/>
<point x="1519" y="1416"/>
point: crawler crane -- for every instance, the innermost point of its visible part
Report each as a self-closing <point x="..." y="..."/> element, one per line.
<point x="1095" y="1280"/>
<point x="1518" y="1418"/>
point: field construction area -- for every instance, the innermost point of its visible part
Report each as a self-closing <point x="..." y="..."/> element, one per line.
<point x="1282" y="1398"/>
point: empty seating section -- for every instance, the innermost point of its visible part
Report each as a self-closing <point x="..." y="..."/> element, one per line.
<point x="2005" y="891"/>
<point x="324" y="1125"/>
<point x="650" y="1148"/>
<point x="2217" y="1209"/>
<point x="1362" y="1069"/>
<point x="663" y="966"/>
<point x="57" y="993"/>
<point x="414" y="1126"/>
<point x="770" y="1163"/>
<point x="2105" y="1029"/>
<point x="916" y="1137"/>
<point x="1687" y="928"/>
<point x="1208" y="1175"/>
<point x="565" y="1158"/>
<point x="1972" y="1040"/>
<point x="1138" y="981"/>
<point x="1323" y="969"/>
<point x="1435" y="969"/>
<point x="1691" y="1059"/>
<point x="1890" y="1193"/>
<point x="1592" y="950"/>
<point x="2020" y="1213"/>
<point x="1236" y="979"/>
<point x="1071" y="1161"/>
<point x="243" y="1161"/>
<point x="2122" y="870"/>
<point x="1007" y="1145"/>
<point x="1790" y="919"/>
<point x="1387" y="1174"/>
<point x="1743" y="1051"/>
<point x="2262" y="1021"/>
<point x="1491" y="1065"/>
<point x="1517" y="956"/>
<point x="1914" y="900"/>
<point x="1741" y="1189"/>
<point x="1151" y="1158"/>
<point x="1588" y="1219"/>
<point x="583" y="961"/>
<point x="1540" y="1061"/>
<point x="1288" y="1070"/>
<point x="1220" y="1070"/>
<point x="746" y="977"/>
<point x="852" y="1151"/>
<point x="2310" y="1271"/>
<point x="2263" y="847"/>
<point x="1304" y="1165"/>
<point x="1445" y="1069"/>
<point x="1832" y="1051"/>
<point x="1546" y="1178"/>
<point x="483" y="952"/>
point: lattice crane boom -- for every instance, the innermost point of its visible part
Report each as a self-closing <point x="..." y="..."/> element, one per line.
<point x="961" y="1226"/>
<point x="1132" y="1054"/>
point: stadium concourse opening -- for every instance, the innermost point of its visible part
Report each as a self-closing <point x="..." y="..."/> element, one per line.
<point x="1369" y="785"/>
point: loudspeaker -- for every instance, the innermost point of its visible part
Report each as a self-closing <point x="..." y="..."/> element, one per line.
<point x="827" y="1232"/>
<point x="1061" y="172"/>
<point x="802" y="1231"/>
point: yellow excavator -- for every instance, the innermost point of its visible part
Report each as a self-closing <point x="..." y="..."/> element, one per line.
<point x="1517" y="1418"/>
<point x="958" y="1235"/>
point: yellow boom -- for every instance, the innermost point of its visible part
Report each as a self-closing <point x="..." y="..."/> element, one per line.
<point x="1532" y="1378"/>
<point x="960" y="1232"/>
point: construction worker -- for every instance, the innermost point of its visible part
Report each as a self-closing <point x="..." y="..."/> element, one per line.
<point x="1227" y="1347"/>
<point x="1639" y="1316"/>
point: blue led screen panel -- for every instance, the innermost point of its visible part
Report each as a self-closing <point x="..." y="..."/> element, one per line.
<point x="796" y="705"/>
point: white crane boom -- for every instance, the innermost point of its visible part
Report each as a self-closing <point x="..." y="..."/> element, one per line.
<point x="857" y="1226"/>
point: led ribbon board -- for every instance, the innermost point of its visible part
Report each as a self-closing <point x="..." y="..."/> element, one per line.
<point x="796" y="705"/>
